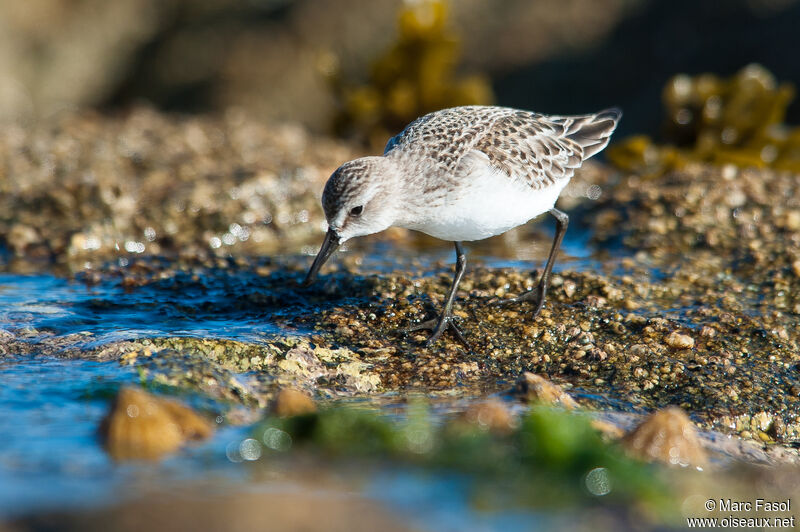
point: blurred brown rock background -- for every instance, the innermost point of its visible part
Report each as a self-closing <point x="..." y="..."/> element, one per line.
<point x="275" y="57"/>
<point x="269" y="56"/>
<point x="139" y="126"/>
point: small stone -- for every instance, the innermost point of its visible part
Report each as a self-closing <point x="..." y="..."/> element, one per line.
<point x="492" y="415"/>
<point x="677" y="340"/>
<point x="792" y="221"/>
<point x="533" y="388"/>
<point x="761" y="421"/>
<point x="569" y="288"/>
<point x="291" y="402"/>
<point x="668" y="436"/>
<point x="796" y="268"/>
<point x="708" y="332"/>
<point x="20" y="236"/>
<point x="140" y="425"/>
<point x="630" y="304"/>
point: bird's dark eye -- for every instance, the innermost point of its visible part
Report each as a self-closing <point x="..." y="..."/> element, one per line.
<point x="355" y="211"/>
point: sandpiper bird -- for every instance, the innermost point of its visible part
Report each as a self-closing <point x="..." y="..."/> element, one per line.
<point x="464" y="174"/>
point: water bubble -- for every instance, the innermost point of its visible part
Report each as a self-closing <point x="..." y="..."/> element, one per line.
<point x="149" y="234"/>
<point x="598" y="482"/>
<point x="681" y="86"/>
<point x="232" y="452"/>
<point x="250" y="449"/>
<point x="228" y="239"/>
<point x="132" y="411"/>
<point x="276" y="439"/>
<point x="729" y="135"/>
<point x="419" y="441"/>
<point x="91" y="243"/>
<point x="215" y="242"/>
<point x="132" y="246"/>
<point x="242" y="233"/>
<point x="769" y="153"/>
<point x="683" y="116"/>
<point x="594" y="192"/>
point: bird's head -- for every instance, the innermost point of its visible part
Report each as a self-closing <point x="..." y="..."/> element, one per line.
<point x="359" y="199"/>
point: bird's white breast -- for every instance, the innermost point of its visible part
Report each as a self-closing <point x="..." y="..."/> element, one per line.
<point x="483" y="203"/>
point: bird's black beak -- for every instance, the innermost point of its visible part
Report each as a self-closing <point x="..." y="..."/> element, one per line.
<point x="329" y="245"/>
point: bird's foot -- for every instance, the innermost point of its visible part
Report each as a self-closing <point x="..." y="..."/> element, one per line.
<point x="536" y="295"/>
<point x="438" y="326"/>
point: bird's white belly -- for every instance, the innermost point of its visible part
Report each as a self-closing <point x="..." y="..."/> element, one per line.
<point x="491" y="205"/>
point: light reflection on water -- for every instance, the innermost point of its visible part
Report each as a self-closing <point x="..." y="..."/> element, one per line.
<point x="109" y="313"/>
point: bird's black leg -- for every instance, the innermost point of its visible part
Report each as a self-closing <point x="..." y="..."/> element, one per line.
<point x="537" y="294"/>
<point x="446" y="318"/>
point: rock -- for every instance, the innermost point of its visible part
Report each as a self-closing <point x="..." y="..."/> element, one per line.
<point x="292" y="402"/>
<point x="607" y="429"/>
<point x="21" y="236"/>
<point x="677" y="340"/>
<point x="492" y="415"/>
<point x="668" y="436"/>
<point x="534" y="388"/>
<point x="143" y="426"/>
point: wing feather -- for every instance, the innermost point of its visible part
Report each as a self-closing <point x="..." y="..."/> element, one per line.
<point x="532" y="147"/>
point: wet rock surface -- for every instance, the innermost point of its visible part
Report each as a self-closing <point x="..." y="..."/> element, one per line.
<point x="611" y="337"/>
<point x="690" y="298"/>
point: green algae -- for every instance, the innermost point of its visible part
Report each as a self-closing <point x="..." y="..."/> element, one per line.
<point x="549" y="458"/>
<point x="736" y="121"/>
<point x="416" y="75"/>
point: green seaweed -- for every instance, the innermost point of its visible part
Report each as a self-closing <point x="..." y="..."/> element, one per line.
<point x="551" y="457"/>
<point x="709" y="119"/>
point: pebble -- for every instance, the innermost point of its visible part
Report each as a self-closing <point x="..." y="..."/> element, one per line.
<point x="677" y="340"/>
<point x="292" y="402"/>
<point x="667" y="436"/>
<point x="140" y="425"/>
<point x="533" y="388"/>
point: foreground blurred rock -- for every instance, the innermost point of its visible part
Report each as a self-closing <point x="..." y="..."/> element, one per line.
<point x="143" y="426"/>
<point x="302" y="505"/>
<point x="668" y="436"/>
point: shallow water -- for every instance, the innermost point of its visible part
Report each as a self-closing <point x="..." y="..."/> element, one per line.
<point x="50" y="456"/>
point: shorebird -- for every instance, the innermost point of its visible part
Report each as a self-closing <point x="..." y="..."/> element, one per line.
<point x="464" y="174"/>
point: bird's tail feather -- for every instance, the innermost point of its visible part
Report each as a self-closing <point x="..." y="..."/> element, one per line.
<point x="592" y="132"/>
